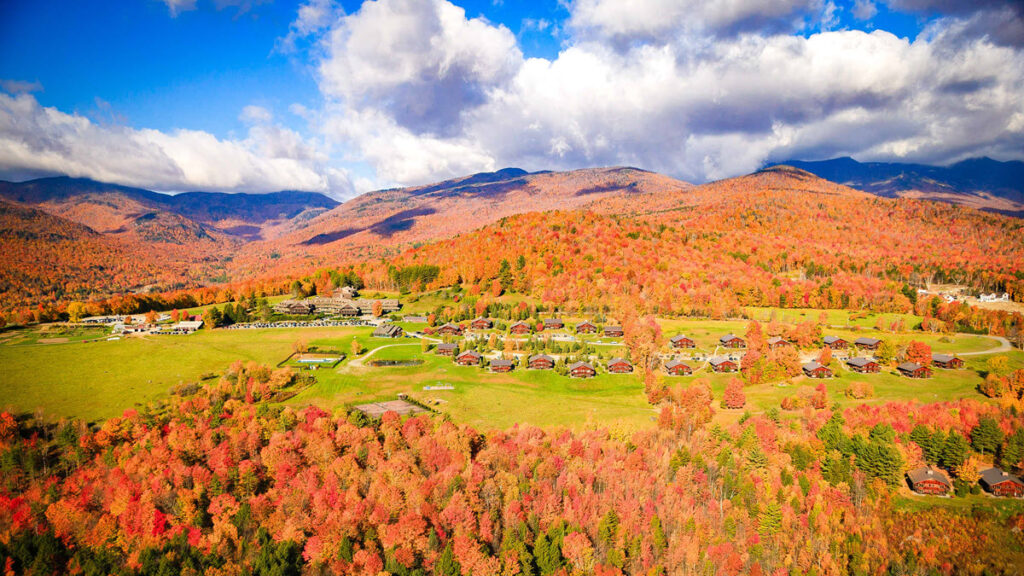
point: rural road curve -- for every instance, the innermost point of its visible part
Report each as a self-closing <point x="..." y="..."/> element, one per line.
<point x="359" y="362"/>
<point x="1004" y="347"/>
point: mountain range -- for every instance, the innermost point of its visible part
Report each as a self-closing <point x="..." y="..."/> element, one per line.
<point x="981" y="183"/>
<point x="98" y="239"/>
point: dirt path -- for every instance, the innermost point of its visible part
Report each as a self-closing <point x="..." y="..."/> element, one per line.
<point x="361" y="361"/>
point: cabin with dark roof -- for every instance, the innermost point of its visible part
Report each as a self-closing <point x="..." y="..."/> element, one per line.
<point x="914" y="370"/>
<point x="867" y="343"/>
<point x="586" y="327"/>
<point x="613" y="331"/>
<point x="947" y="361"/>
<point x="815" y="370"/>
<point x="294" y="307"/>
<point x="581" y="370"/>
<point x="520" y="328"/>
<point x="553" y="324"/>
<point x="681" y="341"/>
<point x="481" y="324"/>
<point x="722" y="365"/>
<point x="501" y="365"/>
<point x="446" y="348"/>
<point x="863" y="365"/>
<point x="1001" y="483"/>
<point x="929" y="480"/>
<point x="777" y="342"/>
<point x="541" y="362"/>
<point x="678" y="368"/>
<point x="620" y="366"/>
<point x="388" y="331"/>
<point x="732" y="341"/>
<point x="450" y="329"/>
<point x="835" y="342"/>
<point x="468" y="358"/>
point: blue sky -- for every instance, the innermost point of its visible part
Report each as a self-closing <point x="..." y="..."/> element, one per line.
<point x="330" y="113"/>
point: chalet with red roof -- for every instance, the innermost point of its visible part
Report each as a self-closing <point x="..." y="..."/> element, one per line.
<point x="914" y="370"/>
<point x="947" y="361"/>
<point x="1001" y="483"/>
<point x="620" y="366"/>
<point x="677" y="368"/>
<point x="681" y="341"/>
<point x="541" y="362"/>
<point x="468" y="358"/>
<point x="863" y="365"/>
<point x="929" y="480"/>
<point x="835" y="342"/>
<point x="732" y="341"/>
<point x="481" y="324"/>
<point x="581" y="370"/>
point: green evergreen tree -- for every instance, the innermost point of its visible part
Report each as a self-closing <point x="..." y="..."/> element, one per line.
<point x="1012" y="453"/>
<point x="658" y="539"/>
<point x="955" y="450"/>
<point x="770" y="519"/>
<point x="986" y="437"/>
<point x="446" y="564"/>
<point x="608" y="528"/>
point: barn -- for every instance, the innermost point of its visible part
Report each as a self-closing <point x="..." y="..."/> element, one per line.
<point x="447" y="348"/>
<point x="914" y="370"/>
<point x="613" y="331"/>
<point x="947" y="361"/>
<point x="681" y="341"/>
<point x="732" y="341"/>
<point x="722" y="365"/>
<point x="581" y="370"/>
<point x="586" y="327"/>
<point x="468" y="358"/>
<point x="1001" y="483"/>
<point x="835" y="342"/>
<point x="929" y="480"/>
<point x="815" y="370"/>
<point x="481" y="324"/>
<point x="541" y="362"/>
<point x="520" y="328"/>
<point x="863" y="365"/>
<point x="677" y="368"/>
<point x="619" y="366"/>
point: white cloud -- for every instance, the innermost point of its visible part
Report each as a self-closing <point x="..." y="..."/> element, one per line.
<point x="420" y="92"/>
<point x="178" y="6"/>
<point x="253" y="114"/>
<point x="864" y="9"/>
<point x="313" y="17"/>
<point x="40" y="140"/>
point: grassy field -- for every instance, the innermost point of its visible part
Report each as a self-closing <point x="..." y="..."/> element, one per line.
<point x="99" y="379"/>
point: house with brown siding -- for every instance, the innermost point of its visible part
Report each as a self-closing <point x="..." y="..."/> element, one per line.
<point x="722" y="365"/>
<point x="863" y="365"/>
<point x="613" y="331"/>
<point x="468" y="358"/>
<point x="777" y="342"/>
<point x="541" y="362"/>
<point x="815" y="370"/>
<point x="620" y="366"/>
<point x="450" y="330"/>
<point x="929" y="480"/>
<point x="586" y="327"/>
<point x="677" y="368"/>
<point x="947" y="361"/>
<point x="1001" y="483"/>
<point x="732" y="341"/>
<point x="501" y="365"/>
<point x="835" y="342"/>
<point x="446" y="348"/>
<point x="914" y="370"/>
<point x="520" y="328"/>
<point x="581" y="370"/>
<point x="867" y="343"/>
<point x="681" y="341"/>
<point x="481" y="324"/>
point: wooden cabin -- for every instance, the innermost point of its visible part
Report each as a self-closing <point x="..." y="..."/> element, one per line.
<point x="681" y="341"/>
<point x="481" y="324"/>
<point x="388" y="331"/>
<point x="450" y="330"/>
<point x="501" y="365"/>
<point x="468" y="358"/>
<point x="863" y="365"/>
<point x="929" y="480"/>
<point x="677" y="368"/>
<point x="1001" y="483"/>
<point x="520" y="328"/>
<point x="867" y="343"/>
<point x="732" y="341"/>
<point x="835" y="342"/>
<point x="541" y="362"/>
<point x="586" y="327"/>
<point x="620" y="366"/>
<point x="914" y="370"/>
<point x="947" y="361"/>
<point x="553" y="324"/>
<point x="614" y="331"/>
<point x="722" y="365"/>
<point x="815" y="370"/>
<point x="777" y="342"/>
<point x="446" y="348"/>
<point x="581" y="370"/>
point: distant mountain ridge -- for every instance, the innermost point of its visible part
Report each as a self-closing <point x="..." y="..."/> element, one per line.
<point x="981" y="183"/>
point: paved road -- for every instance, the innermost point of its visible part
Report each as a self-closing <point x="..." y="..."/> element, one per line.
<point x="1004" y="346"/>
<point x="359" y="362"/>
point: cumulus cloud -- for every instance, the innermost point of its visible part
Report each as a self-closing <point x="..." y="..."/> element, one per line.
<point x="38" y="140"/>
<point x="178" y="6"/>
<point x="313" y="17"/>
<point x="416" y="99"/>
